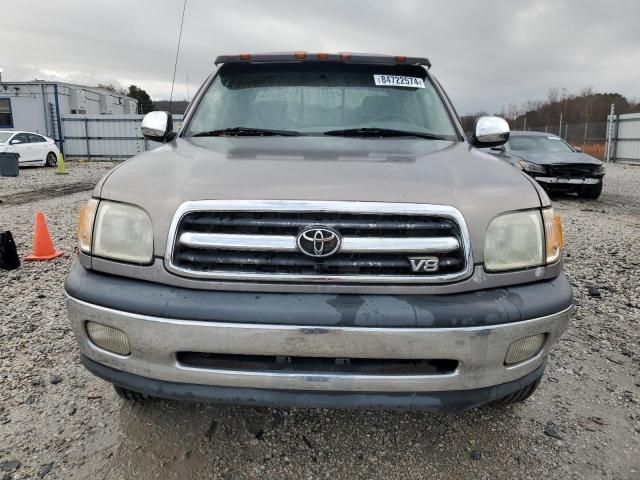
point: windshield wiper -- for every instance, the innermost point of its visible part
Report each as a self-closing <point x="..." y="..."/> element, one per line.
<point x="382" y="132"/>
<point x="246" y="131"/>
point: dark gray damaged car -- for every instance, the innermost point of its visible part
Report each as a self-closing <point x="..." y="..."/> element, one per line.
<point x="553" y="163"/>
<point x="320" y="233"/>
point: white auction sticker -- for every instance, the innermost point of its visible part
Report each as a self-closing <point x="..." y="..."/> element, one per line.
<point x="398" y="81"/>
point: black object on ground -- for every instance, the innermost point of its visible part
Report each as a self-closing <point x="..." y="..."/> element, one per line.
<point x="9" y="259"/>
<point x="594" y="292"/>
<point x="9" y="165"/>
<point x="551" y="431"/>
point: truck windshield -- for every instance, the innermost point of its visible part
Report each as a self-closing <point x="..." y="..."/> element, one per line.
<point x="319" y="99"/>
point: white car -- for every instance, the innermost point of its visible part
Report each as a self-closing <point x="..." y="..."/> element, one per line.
<point x="33" y="148"/>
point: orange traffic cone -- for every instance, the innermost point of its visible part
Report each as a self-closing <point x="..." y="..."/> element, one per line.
<point x="42" y="245"/>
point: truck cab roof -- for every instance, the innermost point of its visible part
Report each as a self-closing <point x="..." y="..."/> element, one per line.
<point x="366" y="58"/>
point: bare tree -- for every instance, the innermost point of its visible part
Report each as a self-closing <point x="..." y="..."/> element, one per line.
<point x="553" y="94"/>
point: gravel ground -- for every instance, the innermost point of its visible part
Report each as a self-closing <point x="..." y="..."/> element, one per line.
<point x="58" y="421"/>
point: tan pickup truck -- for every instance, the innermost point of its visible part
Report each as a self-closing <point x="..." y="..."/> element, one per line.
<point x="320" y="233"/>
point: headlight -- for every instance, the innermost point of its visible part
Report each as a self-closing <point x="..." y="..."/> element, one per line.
<point x="514" y="240"/>
<point x="120" y="231"/>
<point x="531" y="167"/>
<point x="599" y="169"/>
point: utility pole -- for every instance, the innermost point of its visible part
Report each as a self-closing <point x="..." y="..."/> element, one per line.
<point x="610" y="130"/>
<point x="525" y="124"/>
<point x="58" y="119"/>
<point x="560" y="127"/>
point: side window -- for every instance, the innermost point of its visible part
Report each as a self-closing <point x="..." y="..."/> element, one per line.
<point x="6" y="117"/>
<point x="35" y="138"/>
<point x="21" y="137"/>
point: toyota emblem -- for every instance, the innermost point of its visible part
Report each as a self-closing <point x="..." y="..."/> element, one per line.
<point x="318" y="242"/>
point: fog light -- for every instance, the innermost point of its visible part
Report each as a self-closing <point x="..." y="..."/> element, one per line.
<point x="109" y="338"/>
<point x="524" y="348"/>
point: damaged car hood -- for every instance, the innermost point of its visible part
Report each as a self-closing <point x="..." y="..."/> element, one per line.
<point x="550" y="158"/>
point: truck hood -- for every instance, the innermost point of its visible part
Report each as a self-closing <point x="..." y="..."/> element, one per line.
<point x="320" y="168"/>
<point x="548" y="158"/>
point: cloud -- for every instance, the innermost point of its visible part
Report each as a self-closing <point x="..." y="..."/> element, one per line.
<point x="486" y="53"/>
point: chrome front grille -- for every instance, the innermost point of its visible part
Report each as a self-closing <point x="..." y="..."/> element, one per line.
<point x="257" y="241"/>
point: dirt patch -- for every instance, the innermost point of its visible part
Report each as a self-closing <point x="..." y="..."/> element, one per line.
<point x="46" y="193"/>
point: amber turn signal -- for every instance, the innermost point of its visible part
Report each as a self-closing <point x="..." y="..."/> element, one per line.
<point x="553" y="235"/>
<point x="85" y="225"/>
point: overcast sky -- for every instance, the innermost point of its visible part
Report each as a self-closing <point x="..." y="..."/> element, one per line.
<point x="486" y="54"/>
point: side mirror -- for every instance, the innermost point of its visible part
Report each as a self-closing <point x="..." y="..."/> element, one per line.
<point x="490" y="132"/>
<point x="577" y="149"/>
<point x="158" y="126"/>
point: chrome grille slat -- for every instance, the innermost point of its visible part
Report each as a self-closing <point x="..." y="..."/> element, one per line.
<point x="281" y="243"/>
<point x="257" y="241"/>
<point x="228" y="241"/>
<point x="404" y="245"/>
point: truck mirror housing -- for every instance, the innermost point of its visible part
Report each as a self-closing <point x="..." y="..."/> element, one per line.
<point x="490" y="132"/>
<point x="158" y="126"/>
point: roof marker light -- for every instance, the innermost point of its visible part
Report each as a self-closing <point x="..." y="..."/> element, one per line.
<point x="245" y="56"/>
<point x="323" y="56"/>
<point x="300" y="55"/>
<point x="401" y="59"/>
<point x="345" y="57"/>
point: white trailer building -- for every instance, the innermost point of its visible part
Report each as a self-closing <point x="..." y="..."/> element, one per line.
<point x="37" y="106"/>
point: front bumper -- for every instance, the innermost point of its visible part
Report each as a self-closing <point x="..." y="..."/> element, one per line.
<point x="566" y="184"/>
<point x="479" y="348"/>
<point x="449" y="401"/>
<point x="567" y="181"/>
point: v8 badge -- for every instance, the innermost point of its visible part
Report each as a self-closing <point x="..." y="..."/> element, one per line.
<point x="424" y="264"/>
